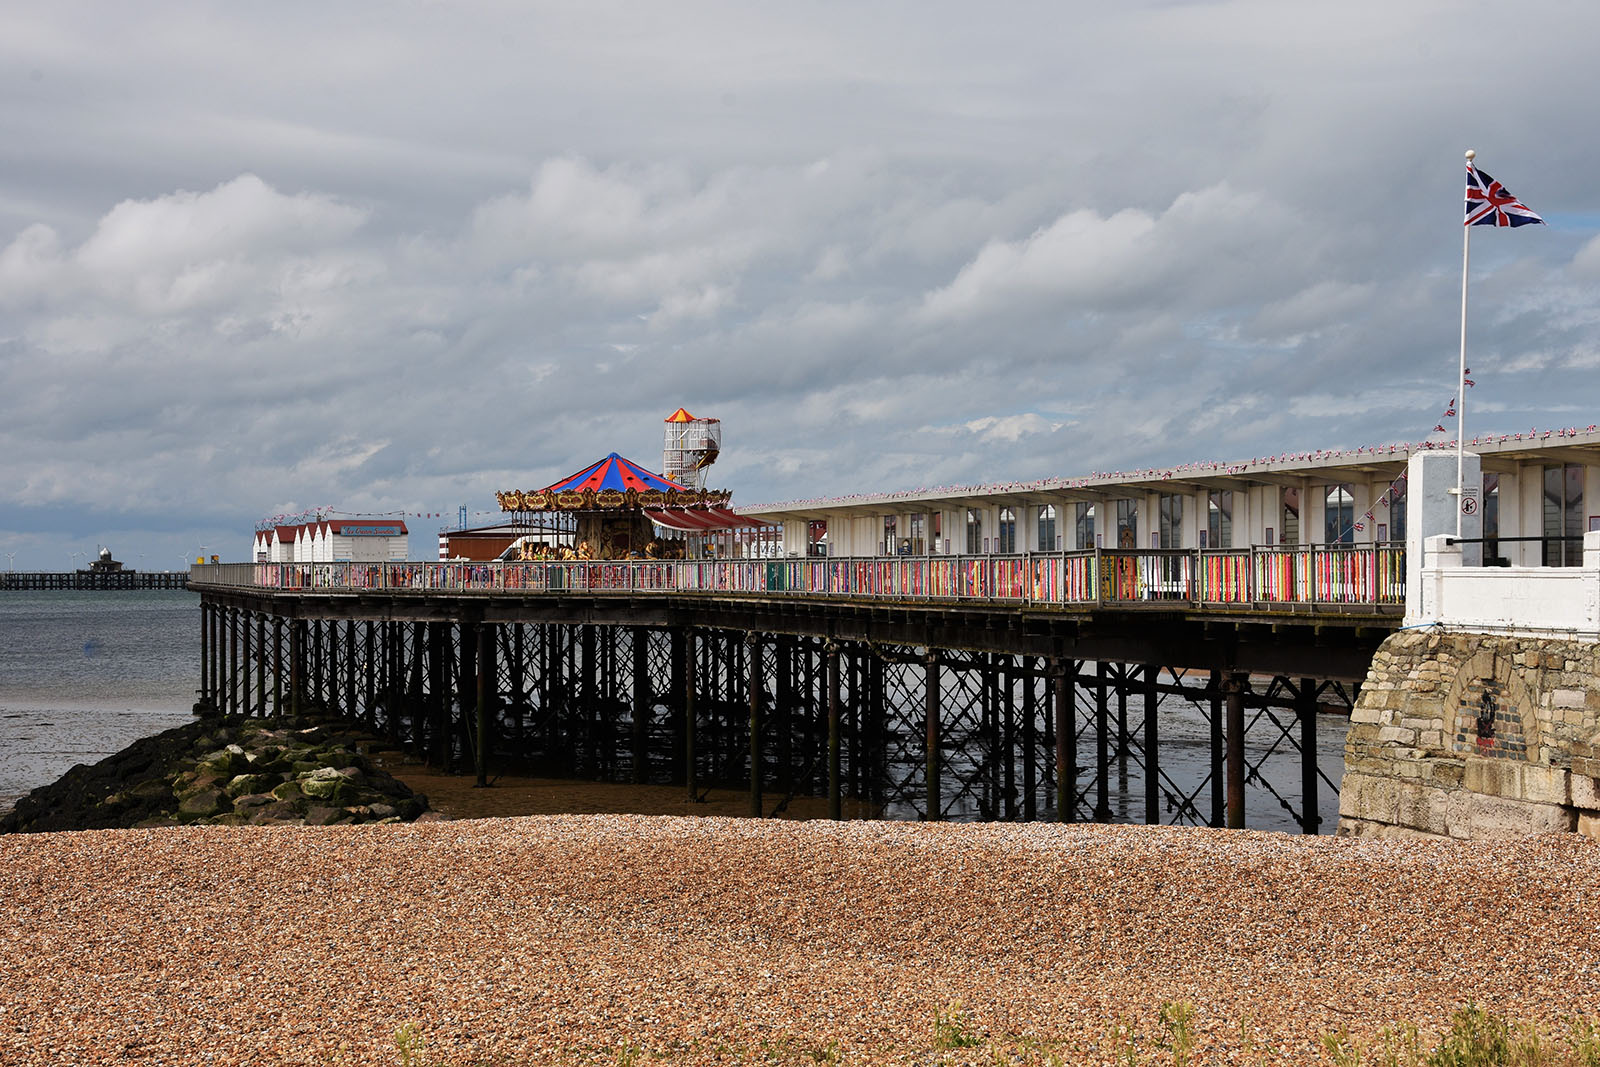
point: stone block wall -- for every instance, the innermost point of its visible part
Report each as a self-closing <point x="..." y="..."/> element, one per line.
<point x="1476" y="736"/>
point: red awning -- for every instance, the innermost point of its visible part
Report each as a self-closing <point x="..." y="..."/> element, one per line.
<point x="698" y="521"/>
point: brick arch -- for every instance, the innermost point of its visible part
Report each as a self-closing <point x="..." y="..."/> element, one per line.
<point x="1515" y="726"/>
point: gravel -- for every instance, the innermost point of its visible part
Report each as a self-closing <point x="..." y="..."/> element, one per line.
<point x="621" y="939"/>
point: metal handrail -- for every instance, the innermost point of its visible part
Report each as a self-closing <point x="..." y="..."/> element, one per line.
<point x="1259" y="575"/>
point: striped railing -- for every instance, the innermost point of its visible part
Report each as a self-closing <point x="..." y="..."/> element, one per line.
<point x="1316" y="575"/>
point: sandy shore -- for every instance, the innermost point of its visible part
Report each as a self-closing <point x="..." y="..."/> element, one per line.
<point x="617" y="939"/>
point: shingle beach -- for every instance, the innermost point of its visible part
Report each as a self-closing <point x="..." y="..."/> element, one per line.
<point x="631" y="939"/>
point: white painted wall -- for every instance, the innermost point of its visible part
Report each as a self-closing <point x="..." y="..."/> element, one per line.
<point x="1551" y="601"/>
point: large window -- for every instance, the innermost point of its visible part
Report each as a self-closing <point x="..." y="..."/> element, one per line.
<point x="974" y="531"/>
<point x="1006" y="533"/>
<point x="891" y="540"/>
<point x="936" y="529"/>
<point x="1047" y="528"/>
<point x="1219" y="518"/>
<point x="1339" y="515"/>
<point x="919" y="544"/>
<point x="1290" y="521"/>
<point x="1563" y="516"/>
<point x="1397" y="512"/>
<point x="817" y="537"/>
<point x="1171" y="507"/>
<point x="1127" y="524"/>
<point x="1085" y="524"/>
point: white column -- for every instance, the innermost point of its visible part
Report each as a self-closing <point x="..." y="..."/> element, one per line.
<point x="1431" y="509"/>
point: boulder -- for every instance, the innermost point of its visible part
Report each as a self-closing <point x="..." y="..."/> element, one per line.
<point x="201" y="804"/>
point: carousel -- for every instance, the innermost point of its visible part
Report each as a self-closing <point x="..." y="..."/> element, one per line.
<point x="620" y="510"/>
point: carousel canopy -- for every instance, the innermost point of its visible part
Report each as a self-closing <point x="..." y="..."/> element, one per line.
<point x="615" y="472"/>
<point x="613" y="484"/>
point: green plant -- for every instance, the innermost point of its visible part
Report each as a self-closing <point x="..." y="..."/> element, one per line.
<point x="1341" y="1048"/>
<point x="1586" y="1041"/>
<point x="950" y="1029"/>
<point x="1477" y="1038"/>
<point x="1402" y="1046"/>
<point x="1175" y="1016"/>
<point x="829" y="1053"/>
<point x="408" y="1041"/>
<point x="1124" y="1045"/>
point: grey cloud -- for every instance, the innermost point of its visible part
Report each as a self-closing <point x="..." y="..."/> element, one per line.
<point x="393" y="259"/>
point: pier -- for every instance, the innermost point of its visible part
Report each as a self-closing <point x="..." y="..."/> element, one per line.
<point x="93" y="580"/>
<point x="849" y="650"/>
<point x="995" y="704"/>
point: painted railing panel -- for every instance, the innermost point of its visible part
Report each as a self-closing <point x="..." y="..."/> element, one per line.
<point x="1316" y="575"/>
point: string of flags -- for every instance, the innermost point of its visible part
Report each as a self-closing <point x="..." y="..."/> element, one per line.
<point x="300" y="518"/>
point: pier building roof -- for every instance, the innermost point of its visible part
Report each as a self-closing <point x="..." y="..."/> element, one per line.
<point x="1498" y="452"/>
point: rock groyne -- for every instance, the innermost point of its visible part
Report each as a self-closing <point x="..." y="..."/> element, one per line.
<point x="228" y="771"/>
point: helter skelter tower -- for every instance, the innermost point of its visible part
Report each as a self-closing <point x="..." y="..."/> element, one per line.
<point x="689" y="447"/>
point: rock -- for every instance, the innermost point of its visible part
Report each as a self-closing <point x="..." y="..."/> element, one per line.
<point x="322" y="816"/>
<point x="251" y="783"/>
<point x="200" y="804"/>
<point x="221" y="771"/>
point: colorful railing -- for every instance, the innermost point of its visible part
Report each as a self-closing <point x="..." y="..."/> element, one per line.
<point x="1265" y="577"/>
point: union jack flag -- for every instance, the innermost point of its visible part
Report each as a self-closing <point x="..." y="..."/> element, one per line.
<point x="1490" y="204"/>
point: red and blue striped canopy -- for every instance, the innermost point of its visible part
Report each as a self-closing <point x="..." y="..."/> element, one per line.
<point x="614" y="472"/>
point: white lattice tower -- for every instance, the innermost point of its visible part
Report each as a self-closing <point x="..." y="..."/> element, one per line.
<point x="689" y="446"/>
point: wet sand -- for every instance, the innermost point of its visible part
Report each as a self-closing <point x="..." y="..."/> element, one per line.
<point x="459" y="797"/>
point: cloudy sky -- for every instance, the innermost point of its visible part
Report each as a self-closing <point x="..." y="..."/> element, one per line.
<point x="391" y="257"/>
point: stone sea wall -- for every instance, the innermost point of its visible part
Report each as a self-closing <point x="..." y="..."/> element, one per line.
<point x="1474" y="736"/>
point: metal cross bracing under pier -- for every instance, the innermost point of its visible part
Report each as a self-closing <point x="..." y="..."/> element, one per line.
<point x="876" y="727"/>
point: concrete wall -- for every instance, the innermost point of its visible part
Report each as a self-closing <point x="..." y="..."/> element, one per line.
<point x="1472" y="735"/>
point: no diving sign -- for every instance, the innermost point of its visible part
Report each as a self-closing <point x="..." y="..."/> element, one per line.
<point x="1469" y="502"/>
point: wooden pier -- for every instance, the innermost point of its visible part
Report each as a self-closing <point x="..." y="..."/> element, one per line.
<point x="93" y="580"/>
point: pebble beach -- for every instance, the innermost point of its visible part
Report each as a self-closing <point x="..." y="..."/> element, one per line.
<point x="637" y="939"/>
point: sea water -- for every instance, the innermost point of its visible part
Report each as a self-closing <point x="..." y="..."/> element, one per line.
<point x="83" y="674"/>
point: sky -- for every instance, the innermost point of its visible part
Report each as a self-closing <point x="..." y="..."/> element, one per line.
<point x="388" y="258"/>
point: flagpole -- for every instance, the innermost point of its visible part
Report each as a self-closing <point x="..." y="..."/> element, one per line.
<point x="1461" y="371"/>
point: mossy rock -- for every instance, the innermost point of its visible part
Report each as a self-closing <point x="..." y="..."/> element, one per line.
<point x="252" y="801"/>
<point x="328" y="786"/>
<point x="251" y="783"/>
<point x="201" y="804"/>
<point x="151" y="789"/>
<point x="288" y="791"/>
<point x="277" y="813"/>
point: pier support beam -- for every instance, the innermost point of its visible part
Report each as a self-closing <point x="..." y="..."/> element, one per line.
<point x="930" y="711"/>
<point x="1066" y="742"/>
<point x="1102" y="715"/>
<point x="835" y="803"/>
<point x="1235" y="688"/>
<point x="641" y="704"/>
<point x="689" y="712"/>
<point x="1306" y="711"/>
<point x="753" y="644"/>
<point x="1152" y="749"/>
<point x="483" y="639"/>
